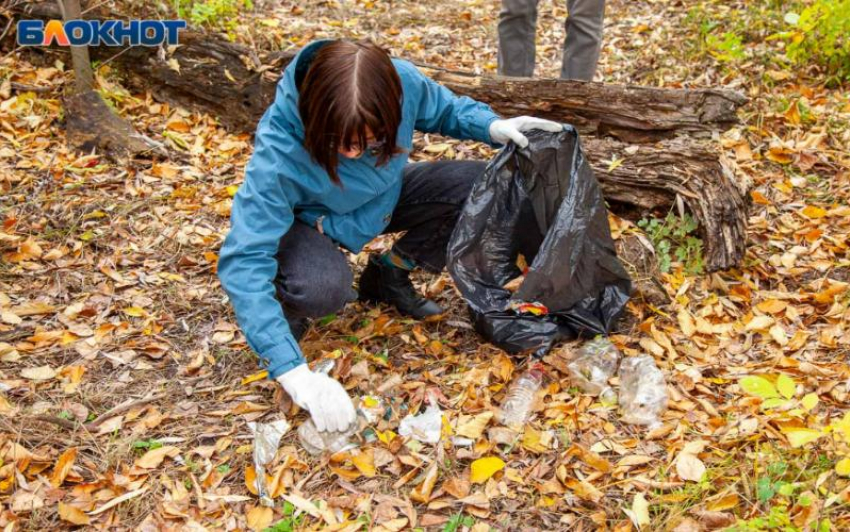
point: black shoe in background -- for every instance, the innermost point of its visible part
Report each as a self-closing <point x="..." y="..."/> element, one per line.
<point x="380" y="283"/>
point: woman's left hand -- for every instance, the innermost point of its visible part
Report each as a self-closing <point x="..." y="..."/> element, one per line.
<point x="503" y="131"/>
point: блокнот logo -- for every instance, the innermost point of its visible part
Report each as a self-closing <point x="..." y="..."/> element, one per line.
<point x="99" y="32"/>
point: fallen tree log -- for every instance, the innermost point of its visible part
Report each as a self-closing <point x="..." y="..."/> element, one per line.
<point x="645" y="144"/>
<point x="630" y="113"/>
<point x="634" y="114"/>
<point x="239" y="83"/>
<point x="654" y="177"/>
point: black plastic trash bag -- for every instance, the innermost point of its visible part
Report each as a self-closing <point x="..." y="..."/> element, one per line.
<point x="543" y="202"/>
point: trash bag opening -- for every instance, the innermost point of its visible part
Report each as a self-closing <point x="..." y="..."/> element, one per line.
<point x="541" y="203"/>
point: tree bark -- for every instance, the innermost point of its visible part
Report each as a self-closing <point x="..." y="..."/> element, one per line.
<point x="655" y="177"/>
<point x="631" y="113"/>
<point x="89" y="122"/>
<point x="206" y="72"/>
<point x="83" y="75"/>
<point x="241" y="85"/>
<point x="650" y="148"/>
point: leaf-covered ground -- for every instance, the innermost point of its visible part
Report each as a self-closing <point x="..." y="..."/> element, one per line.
<point x="127" y="386"/>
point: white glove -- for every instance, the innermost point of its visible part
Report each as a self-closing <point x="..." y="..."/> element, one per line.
<point x="325" y="398"/>
<point x="503" y="131"/>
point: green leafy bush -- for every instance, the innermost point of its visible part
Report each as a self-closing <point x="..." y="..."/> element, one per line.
<point x="672" y="238"/>
<point x="820" y="34"/>
<point x="727" y="47"/>
<point x="216" y="14"/>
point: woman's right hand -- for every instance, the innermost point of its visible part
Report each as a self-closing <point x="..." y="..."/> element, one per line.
<point x="512" y="129"/>
<point x="325" y="398"/>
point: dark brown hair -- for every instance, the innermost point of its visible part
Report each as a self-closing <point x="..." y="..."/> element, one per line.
<point x="350" y="86"/>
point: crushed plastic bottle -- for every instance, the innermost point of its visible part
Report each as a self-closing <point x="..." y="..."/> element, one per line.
<point x="315" y="441"/>
<point x="643" y="391"/>
<point x="516" y="409"/>
<point x="326" y="365"/>
<point x="595" y="363"/>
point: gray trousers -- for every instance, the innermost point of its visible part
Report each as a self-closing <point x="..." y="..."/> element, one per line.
<point x="517" y="28"/>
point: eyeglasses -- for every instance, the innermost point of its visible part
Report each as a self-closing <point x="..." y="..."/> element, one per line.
<point x="375" y="147"/>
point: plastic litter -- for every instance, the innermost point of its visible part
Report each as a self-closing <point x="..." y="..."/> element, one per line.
<point x="317" y="442"/>
<point x="426" y="427"/>
<point x="643" y="391"/>
<point x="266" y="440"/>
<point x="596" y="362"/>
<point x="326" y="365"/>
<point x="541" y="202"/>
<point x="516" y="409"/>
<point x="371" y="407"/>
<point x="460" y="441"/>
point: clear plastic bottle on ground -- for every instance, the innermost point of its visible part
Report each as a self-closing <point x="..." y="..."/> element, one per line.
<point x="643" y="391"/>
<point x="516" y="409"/>
<point x="596" y="362"/>
<point x="315" y="441"/>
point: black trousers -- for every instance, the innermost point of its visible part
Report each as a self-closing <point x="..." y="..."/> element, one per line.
<point x="314" y="278"/>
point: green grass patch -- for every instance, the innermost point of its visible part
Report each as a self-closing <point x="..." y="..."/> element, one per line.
<point x="673" y="239"/>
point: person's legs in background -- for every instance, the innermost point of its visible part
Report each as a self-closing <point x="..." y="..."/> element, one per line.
<point x="517" y="28"/>
<point x="313" y="279"/>
<point x="431" y="200"/>
<point x="584" y="24"/>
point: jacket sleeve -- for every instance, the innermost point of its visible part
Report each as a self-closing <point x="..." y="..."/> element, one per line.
<point x="439" y="110"/>
<point x="247" y="265"/>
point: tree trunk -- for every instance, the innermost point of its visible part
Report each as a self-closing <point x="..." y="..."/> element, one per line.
<point x="650" y="148"/>
<point x="83" y="75"/>
<point x="631" y="113"/>
<point x="90" y="123"/>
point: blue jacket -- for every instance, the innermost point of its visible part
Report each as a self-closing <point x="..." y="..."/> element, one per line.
<point x="283" y="183"/>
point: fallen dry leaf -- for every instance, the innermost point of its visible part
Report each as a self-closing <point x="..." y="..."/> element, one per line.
<point x="40" y="373"/>
<point x="689" y="467"/>
<point x="473" y="426"/>
<point x="259" y="517"/>
<point x="154" y="457"/>
<point x="484" y="468"/>
<point x="422" y="493"/>
<point x="118" y="500"/>
<point x="63" y="467"/>
<point x="639" y="512"/>
<point x="73" y="515"/>
<point x="364" y="461"/>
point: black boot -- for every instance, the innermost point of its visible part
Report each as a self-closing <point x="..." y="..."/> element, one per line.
<point x="380" y="283"/>
<point x="299" y="327"/>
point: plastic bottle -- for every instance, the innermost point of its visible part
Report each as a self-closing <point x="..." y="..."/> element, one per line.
<point x="596" y="362"/>
<point x="643" y="391"/>
<point x="516" y="410"/>
<point x="315" y="441"/>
